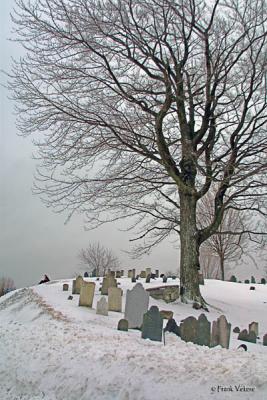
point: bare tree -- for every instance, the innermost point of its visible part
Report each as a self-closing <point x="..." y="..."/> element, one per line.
<point x="210" y="266"/>
<point x="6" y="285"/>
<point x="99" y="259"/>
<point x="143" y="107"/>
<point x="231" y="240"/>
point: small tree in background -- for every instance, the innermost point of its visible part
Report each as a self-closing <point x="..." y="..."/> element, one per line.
<point x="98" y="258"/>
<point x="6" y="285"/>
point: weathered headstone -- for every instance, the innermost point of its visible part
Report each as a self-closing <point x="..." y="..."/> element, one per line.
<point x="157" y="273"/>
<point x="87" y="294"/>
<point x="76" y="287"/>
<point x="143" y="274"/>
<point x="236" y="329"/>
<point x="133" y="273"/>
<point x="114" y="299"/>
<point x="252" y="288"/>
<point x="108" y="281"/>
<point x="123" y="325"/>
<point x="263" y="281"/>
<point x="130" y="273"/>
<point x="164" y="279"/>
<point x="122" y="272"/>
<point x="148" y="271"/>
<point x="254" y="327"/>
<point x="136" y="305"/>
<point x="224" y="331"/>
<point x="148" y="277"/>
<point x="203" y="331"/>
<point x="233" y="279"/>
<point x="247" y="337"/>
<point x="189" y="329"/>
<point x="152" y="324"/>
<point x="133" y="280"/>
<point x="215" y="337"/>
<point x="264" y="341"/>
<point x="170" y="294"/>
<point x="102" y="307"/>
<point x="118" y="274"/>
<point x="166" y="314"/>
<point x="70" y="297"/>
<point x="65" y="287"/>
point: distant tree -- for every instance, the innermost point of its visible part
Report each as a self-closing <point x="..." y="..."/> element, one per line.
<point x="6" y="285"/>
<point x="209" y="264"/>
<point x="98" y="259"/>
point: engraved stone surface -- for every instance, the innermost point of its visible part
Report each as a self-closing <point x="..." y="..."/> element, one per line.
<point x="87" y="294"/>
<point x="137" y="301"/>
<point x="114" y="299"/>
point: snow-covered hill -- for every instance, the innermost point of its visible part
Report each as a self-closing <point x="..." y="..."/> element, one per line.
<point x="50" y="348"/>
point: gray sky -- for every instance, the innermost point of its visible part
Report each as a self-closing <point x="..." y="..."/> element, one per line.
<point x="34" y="240"/>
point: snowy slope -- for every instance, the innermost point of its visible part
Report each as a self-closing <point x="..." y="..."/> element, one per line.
<point x="52" y="349"/>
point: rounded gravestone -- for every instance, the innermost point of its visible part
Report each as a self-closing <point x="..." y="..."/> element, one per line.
<point x="123" y="325"/>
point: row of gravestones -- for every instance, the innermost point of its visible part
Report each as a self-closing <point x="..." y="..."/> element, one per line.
<point x="250" y="334"/>
<point x="252" y="280"/>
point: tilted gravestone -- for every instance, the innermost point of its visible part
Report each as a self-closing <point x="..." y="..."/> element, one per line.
<point x="136" y="305"/>
<point x="102" y="307"/>
<point x="264" y="342"/>
<point x="203" y="331"/>
<point x="152" y="325"/>
<point x="247" y="336"/>
<point x="224" y="331"/>
<point x="65" y="287"/>
<point x="114" y="299"/>
<point x="108" y="281"/>
<point x="87" y="294"/>
<point x="77" y="284"/>
<point x="215" y="337"/>
<point x="123" y="325"/>
<point x="189" y="329"/>
<point x="254" y="327"/>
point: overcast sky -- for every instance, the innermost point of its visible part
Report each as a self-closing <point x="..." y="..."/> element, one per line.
<point x="34" y="240"/>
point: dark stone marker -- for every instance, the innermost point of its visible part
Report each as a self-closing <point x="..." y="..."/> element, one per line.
<point x="70" y="297"/>
<point x="189" y="329"/>
<point x="236" y="329"/>
<point x="172" y="327"/>
<point x="233" y="279"/>
<point x="252" y="288"/>
<point x="152" y="324"/>
<point x="203" y="331"/>
<point x="246" y="281"/>
<point x="263" y="281"/>
<point x="164" y="279"/>
<point x="247" y="337"/>
<point x="196" y="306"/>
<point x="157" y="273"/>
<point x="265" y="340"/>
<point x="123" y="325"/>
<point x="133" y="280"/>
<point x="148" y="278"/>
<point x="65" y="287"/>
<point x="86" y="275"/>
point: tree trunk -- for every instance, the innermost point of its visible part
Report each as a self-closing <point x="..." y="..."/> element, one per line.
<point x="222" y="267"/>
<point x="189" y="256"/>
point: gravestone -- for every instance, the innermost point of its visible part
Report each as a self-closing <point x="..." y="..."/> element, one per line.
<point x="102" y="307"/>
<point x="87" y="294"/>
<point x="166" y="314"/>
<point x="76" y="286"/>
<point x="130" y="273"/>
<point x="252" y="288"/>
<point x="172" y="327"/>
<point x="152" y="325"/>
<point x="133" y="280"/>
<point x="263" y="281"/>
<point x="148" y="278"/>
<point x="247" y="337"/>
<point x="133" y="273"/>
<point x="122" y="272"/>
<point x="148" y="271"/>
<point x="118" y="274"/>
<point x="246" y="281"/>
<point x="203" y="331"/>
<point x="65" y="287"/>
<point x="264" y="341"/>
<point x="86" y="275"/>
<point x="143" y="274"/>
<point x="164" y="279"/>
<point x="136" y="305"/>
<point x="224" y="331"/>
<point x="114" y="299"/>
<point x="253" y="280"/>
<point x="108" y="281"/>
<point x="215" y="336"/>
<point x="236" y="329"/>
<point x="254" y="327"/>
<point x="123" y="325"/>
<point x="157" y="273"/>
<point x="233" y="279"/>
<point x="189" y="329"/>
<point x="70" y="297"/>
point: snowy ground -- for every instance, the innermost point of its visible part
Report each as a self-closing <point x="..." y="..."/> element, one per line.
<point x="52" y="349"/>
